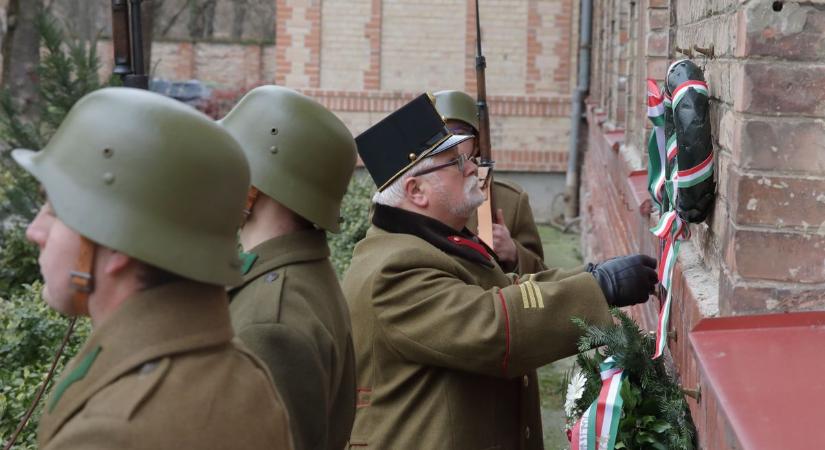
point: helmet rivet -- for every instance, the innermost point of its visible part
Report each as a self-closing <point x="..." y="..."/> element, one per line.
<point x="108" y="178"/>
<point x="273" y="149"/>
<point x="274" y="131"/>
<point x="108" y="152"/>
<point x="412" y="156"/>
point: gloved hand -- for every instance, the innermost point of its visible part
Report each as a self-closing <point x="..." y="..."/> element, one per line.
<point x="626" y="280"/>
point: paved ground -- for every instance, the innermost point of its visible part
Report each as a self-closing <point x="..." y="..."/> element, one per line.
<point x="560" y="250"/>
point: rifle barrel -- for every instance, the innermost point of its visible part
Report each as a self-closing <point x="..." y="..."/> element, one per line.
<point x="137" y="39"/>
<point x="137" y="78"/>
<point x="484" y="145"/>
<point x="478" y="34"/>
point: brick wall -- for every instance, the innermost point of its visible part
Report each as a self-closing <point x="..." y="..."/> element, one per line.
<point x="346" y="45"/>
<point x="365" y="57"/>
<point x="762" y="249"/>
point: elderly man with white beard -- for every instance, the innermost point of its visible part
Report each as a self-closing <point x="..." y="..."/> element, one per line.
<point x="446" y="343"/>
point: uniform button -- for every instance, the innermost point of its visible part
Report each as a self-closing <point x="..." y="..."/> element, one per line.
<point x="526" y="381"/>
<point x="527" y="432"/>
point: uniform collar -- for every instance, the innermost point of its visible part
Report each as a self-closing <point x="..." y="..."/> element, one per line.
<point x="458" y="243"/>
<point x="300" y="246"/>
<point x="154" y="323"/>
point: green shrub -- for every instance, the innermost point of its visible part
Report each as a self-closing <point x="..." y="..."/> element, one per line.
<point x="355" y="211"/>
<point x="31" y="334"/>
<point x="18" y="260"/>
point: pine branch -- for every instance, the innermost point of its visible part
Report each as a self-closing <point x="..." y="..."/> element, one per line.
<point x="655" y="414"/>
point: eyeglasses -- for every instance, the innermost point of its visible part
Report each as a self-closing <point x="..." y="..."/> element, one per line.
<point x="460" y="161"/>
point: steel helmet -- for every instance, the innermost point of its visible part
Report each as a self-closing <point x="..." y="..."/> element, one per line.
<point x="456" y="105"/>
<point x="299" y="152"/>
<point x="150" y="177"/>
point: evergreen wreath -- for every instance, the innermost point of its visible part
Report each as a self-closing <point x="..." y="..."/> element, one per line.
<point x="655" y="414"/>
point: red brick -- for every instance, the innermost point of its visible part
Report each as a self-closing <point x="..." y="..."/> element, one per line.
<point x="772" y="144"/>
<point x="658" y="18"/>
<point x="795" y="33"/>
<point x="777" y="201"/>
<point x="656" y="68"/>
<point x="776" y="256"/>
<point x="771" y="88"/>
<point x="738" y="297"/>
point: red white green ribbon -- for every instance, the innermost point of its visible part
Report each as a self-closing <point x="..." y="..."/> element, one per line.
<point x="695" y="175"/>
<point x="599" y="425"/>
<point x="698" y="86"/>
<point x="656" y="144"/>
<point x="671" y="229"/>
<point x="672" y="148"/>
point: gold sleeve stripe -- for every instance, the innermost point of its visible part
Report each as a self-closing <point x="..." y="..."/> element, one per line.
<point x="524" y="295"/>
<point x="538" y="293"/>
<point x="536" y="290"/>
<point x="530" y="293"/>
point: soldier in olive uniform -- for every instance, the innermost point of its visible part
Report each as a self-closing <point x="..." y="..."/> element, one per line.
<point x="144" y="196"/>
<point x="290" y="309"/>
<point x="516" y="239"/>
<point x="446" y="343"/>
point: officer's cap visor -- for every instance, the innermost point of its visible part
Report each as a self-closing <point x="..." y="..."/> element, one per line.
<point x="449" y="143"/>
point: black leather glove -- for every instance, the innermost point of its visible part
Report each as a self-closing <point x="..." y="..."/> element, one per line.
<point x="626" y="280"/>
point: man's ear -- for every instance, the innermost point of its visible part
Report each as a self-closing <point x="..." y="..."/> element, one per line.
<point x="115" y="262"/>
<point x="414" y="192"/>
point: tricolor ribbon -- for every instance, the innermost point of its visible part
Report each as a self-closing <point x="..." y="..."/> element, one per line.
<point x="598" y="426"/>
<point x="695" y="175"/>
<point x="698" y="86"/>
<point x="657" y="155"/>
<point x="671" y="229"/>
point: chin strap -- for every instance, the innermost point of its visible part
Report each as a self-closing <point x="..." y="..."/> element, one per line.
<point x="81" y="276"/>
<point x="251" y="197"/>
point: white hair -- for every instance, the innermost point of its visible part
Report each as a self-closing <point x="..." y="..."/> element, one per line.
<point x="393" y="195"/>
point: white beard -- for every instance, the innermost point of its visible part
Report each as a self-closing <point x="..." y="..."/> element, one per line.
<point x="472" y="198"/>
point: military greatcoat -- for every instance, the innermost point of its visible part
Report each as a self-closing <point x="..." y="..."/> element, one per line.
<point x="164" y="373"/>
<point x="447" y="344"/>
<point x="518" y="217"/>
<point x="291" y="312"/>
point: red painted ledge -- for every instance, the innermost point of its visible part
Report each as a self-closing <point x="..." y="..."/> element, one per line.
<point x="766" y="372"/>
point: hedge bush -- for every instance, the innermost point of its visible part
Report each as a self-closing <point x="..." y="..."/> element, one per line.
<point x="31" y="333"/>
<point x="355" y="211"/>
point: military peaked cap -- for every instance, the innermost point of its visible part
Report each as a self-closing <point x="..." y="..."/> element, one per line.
<point x="403" y="139"/>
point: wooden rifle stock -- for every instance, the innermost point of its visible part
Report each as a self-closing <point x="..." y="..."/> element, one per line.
<point x="127" y="40"/>
<point x="486" y="212"/>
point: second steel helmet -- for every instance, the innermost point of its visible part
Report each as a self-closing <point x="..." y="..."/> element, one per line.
<point x="150" y="177"/>
<point x="456" y="105"/>
<point x="299" y="152"/>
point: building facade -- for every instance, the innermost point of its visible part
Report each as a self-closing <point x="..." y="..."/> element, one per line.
<point x="763" y="249"/>
<point x="365" y="58"/>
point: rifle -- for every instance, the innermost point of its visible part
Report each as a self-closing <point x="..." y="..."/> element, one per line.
<point x="485" y="171"/>
<point x="127" y="40"/>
